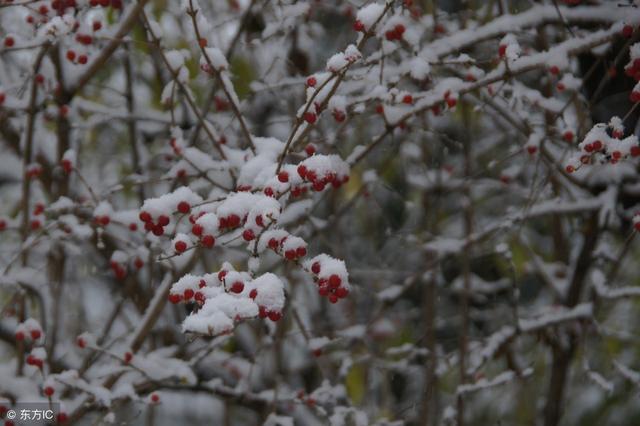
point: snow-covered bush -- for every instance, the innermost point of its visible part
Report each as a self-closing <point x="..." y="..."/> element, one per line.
<point x="303" y="212"/>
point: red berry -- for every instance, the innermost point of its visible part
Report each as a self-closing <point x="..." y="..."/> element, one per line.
<point x="333" y="298"/>
<point x="301" y="251"/>
<point x="274" y="315"/>
<point x="253" y="294"/>
<point x="128" y="357"/>
<point x="358" y="26"/>
<point x="62" y="417"/>
<point x="315" y="268"/>
<point x="532" y="149"/>
<point x="208" y="241"/>
<point x="174" y="298"/>
<point x="71" y="55"/>
<point x="197" y="230"/>
<point x="19" y="336"/>
<point x="553" y="69"/>
<point x="221" y="275"/>
<point x="634" y="97"/>
<point x="334" y="281"/>
<point x="81" y="342"/>
<point x="144" y="216"/>
<point x="233" y="221"/>
<point x="597" y="145"/>
<point x="180" y="246"/>
<point x="318" y="186"/>
<point x="67" y="165"/>
<point x="341" y="292"/>
<point x="48" y="391"/>
<point x="163" y="220"/>
<point x="188" y="294"/>
<point x="323" y="290"/>
<point x="35" y="224"/>
<point x="570" y="169"/>
<point x="635" y="151"/>
<point x="237" y="287"/>
<point x="407" y="99"/>
<point x="96" y="25"/>
<point x="35" y="334"/>
<point x="3" y="224"/>
<point x="268" y="192"/>
<point x="184" y="207"/>
<point x="248" y="235"/>
<point x="502" y="50"/>
<point x="451" y="102"/>
<point x="310" y="149"/>
<point x="273" y="244"/>
<point x="290" y="254"/>
<point x="302" y="171"/>
<point x="82" y="59"/>
<point x="155" y="398"/>
<point x="158" y="230"/>
<point x="310" y="117"/>
<point x="202" y="42"/>
<point x="567" y="136"/>
<point x="339" y="116"/>
<point x="9" y="41"/>
<point x="311" y="82"/>
<point x="627" y="31"/>
<point x="283" y="177"/>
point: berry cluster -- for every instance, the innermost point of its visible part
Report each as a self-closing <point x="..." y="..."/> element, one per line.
<point x="157" y="226"/>
<point x="118" y="267"/>
<point x="36" y="357"/>
<point x="29" y="330"/>
<point x="395" y="33"/>
<point x="330" y="276"/>
<point x="316" y="172"/>
<point x="290" y="247"/>
<point x="205" y="225"/>
<point x="604" y="144"/>
<point x="188" y="290"/>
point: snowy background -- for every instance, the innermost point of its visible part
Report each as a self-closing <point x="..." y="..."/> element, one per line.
<point x="250" y="212"/>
